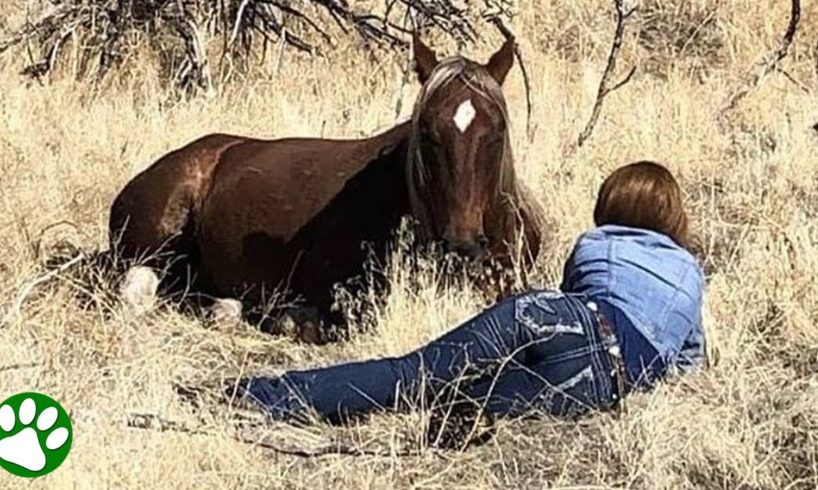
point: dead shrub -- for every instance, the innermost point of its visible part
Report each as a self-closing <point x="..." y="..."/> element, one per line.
<point x="674" y="32"/>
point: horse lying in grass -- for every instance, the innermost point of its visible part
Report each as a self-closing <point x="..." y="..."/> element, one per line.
<point x="237" y="217"/>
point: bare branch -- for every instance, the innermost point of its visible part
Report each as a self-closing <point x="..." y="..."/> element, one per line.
<point x="237" y="24"/>
<point x="104" y="30"/>
<point x="498" y="22"/>
<point x="24" y="365"/>
<point x="804" y="88"/>
<point x="622" y="14"/>
<point x="158" y="423"/>
<point x="621" y="82"/>
<point x="768" y="63"/>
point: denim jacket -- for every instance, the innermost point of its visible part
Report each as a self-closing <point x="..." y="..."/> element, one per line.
<point x="651" y="290"/>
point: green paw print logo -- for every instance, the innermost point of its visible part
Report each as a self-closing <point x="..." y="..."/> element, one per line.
<point x="35" y="435"/>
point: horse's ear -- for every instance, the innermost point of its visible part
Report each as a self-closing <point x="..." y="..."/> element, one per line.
<point x="500" y="62"/>
<point x="425" y="59"/>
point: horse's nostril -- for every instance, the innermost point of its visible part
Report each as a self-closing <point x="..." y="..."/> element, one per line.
<point x="483" y="242"/>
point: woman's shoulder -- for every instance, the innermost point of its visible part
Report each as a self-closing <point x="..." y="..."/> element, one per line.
<point x="635" y="245"/>
<point x="636" y="237"/>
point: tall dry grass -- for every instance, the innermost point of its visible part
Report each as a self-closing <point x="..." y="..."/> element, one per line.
<point x="750" y="421"/>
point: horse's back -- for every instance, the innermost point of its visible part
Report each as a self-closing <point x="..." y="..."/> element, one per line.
<point x="284" y="183"/>
<point x="278" y="208"/>
<point x="155" y="207"/>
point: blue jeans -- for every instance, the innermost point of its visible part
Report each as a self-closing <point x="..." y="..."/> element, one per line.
<point x="538" y="350"/>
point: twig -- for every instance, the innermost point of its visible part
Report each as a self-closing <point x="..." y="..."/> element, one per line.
<point x="407" y="74"/>
<point x="763" y="67"/>
<point x="815" y="53"/>
<point x="38" y="244"/>
<point x="237" y="24"/>
<point x="155" y="422"/>
<point x="622" y="15"/>
<point x="14" y="310"/>
<point x="804" y="88"/>
<point x="24" y="365"/>
<point x="498" y="22"/>
<point x="35" y="67"/>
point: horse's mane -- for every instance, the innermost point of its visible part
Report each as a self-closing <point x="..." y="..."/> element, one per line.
<point x="476" y="78"/>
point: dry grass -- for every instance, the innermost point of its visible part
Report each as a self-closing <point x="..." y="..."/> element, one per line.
<point x="748" y="422"/>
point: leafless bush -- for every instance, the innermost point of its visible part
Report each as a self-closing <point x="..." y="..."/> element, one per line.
<point x="106" y="33"/>
<point x="672" y="31"/>
<point x="570" y="32"/>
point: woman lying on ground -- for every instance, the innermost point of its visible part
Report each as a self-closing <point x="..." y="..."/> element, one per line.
<point x="628" y="314"/>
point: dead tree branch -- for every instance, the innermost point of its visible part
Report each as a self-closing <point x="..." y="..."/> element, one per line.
<point x="622" y="15"/>
<point x="767" y="64"/>
<point x="177" y="30"/>
<point x="498" y="22"/>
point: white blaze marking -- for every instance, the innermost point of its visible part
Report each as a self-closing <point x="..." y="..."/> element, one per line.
<point x="464" y="116"/>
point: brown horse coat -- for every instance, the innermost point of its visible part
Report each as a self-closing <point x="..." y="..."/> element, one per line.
<point x="251" y="216"/>
<point x="250" y="213"/>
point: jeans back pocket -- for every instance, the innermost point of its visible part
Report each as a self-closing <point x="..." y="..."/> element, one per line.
<point x="546" y="314"/>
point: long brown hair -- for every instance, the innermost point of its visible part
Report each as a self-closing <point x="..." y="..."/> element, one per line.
<point x="645" y="195"/>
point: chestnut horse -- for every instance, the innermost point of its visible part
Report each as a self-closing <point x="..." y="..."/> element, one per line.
<point x="251" y="216"/>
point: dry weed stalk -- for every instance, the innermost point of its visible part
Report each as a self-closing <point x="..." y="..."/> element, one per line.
<point x="14" y="309"/>
<point x="149" y="421"/>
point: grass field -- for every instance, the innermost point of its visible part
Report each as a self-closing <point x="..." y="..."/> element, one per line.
<point x="751" y="184"/>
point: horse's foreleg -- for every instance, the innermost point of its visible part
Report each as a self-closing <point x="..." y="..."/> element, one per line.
<point x="226" y="312"/>
<point x="138" y="289"/>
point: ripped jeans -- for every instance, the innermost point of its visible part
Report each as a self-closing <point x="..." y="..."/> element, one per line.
<point x="540" y="350"/>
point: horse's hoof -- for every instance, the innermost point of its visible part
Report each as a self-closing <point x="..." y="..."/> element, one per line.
<point x="226" y="311"/>
<point x="307" y="325"/>
<point x="309" y="333"/>
<point x="138" y="289"/>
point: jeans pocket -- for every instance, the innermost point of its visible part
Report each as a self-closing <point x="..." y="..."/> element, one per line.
<point x="545" y="316"/>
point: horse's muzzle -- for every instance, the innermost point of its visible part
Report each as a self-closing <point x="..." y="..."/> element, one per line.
<point x="475" y="251"/>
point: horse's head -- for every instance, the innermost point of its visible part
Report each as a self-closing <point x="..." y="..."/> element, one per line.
<point x="459" y="154"/>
